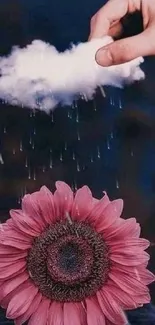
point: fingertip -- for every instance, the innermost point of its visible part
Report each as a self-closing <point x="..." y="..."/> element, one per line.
<point x="103" y="57"/>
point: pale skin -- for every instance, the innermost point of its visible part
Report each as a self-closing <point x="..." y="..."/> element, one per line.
<point x="107" y="21"/>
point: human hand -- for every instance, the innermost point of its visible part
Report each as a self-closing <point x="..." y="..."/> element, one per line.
<point x="107" y="21"/>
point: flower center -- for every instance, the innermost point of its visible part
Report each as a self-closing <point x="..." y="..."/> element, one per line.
<point x="69" y="261"/>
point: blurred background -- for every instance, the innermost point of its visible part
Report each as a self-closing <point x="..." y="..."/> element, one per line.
<point x="107" y="143"/>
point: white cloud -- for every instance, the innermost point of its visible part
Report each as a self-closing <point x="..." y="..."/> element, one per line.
<point x="38" y="76"/>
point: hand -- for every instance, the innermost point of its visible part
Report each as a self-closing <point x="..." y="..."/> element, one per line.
<point x="107" y="21"/>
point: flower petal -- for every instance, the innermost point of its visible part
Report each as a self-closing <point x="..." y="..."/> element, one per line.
<point x="24" y="223"/>
<point x="21" y="300"/>
<point x="124" y="300"/>
<point x="46" y="203"/>
<point x="6" y="260"/>
<point x="132" y="244"/>
<point x="9" y="285"/>
<point x="71" y="312"/>
<point x="10" y="271"/>
<point x="110" y="214"/>
<point x="14" y="238"/>
<point x="122" y="229"/>
<point x="110" y="308"/>
<point x="33" y="307"/>
<point x="41" y="314"/>
<point x="133" y="260"/>
<point x="55" y="316"/>
<point x="138" y="272"/>
<point x="82" y="204"/>
<point x="99" y="207"/>
<point x="127" y="283"/>
<point x="31" y="208"/>
<point x="7" y="250"/>
<point x="95" y="315"/>
<point x="63" y="199"/>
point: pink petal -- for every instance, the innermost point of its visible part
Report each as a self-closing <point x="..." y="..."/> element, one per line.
<point x="10" y="271"/>
<point x="26" y="224"/>
<point x="40" y="316"/>
<point x="63" y="198"/>
<point x="5" y="250"/>
<point x="133" y="260"/>
<point x="21" y="300"/>
<point x="71" y="312"/>
<point x="14" y="238"/>
<point x="123" y="299"/>
<point x="127" y="283"/>
<point x="82" y="204"/>
<point x="94" y="314"/>
<point x="31" y="208"/>
<point x="33" y="307"/>
<point x="110" y="308"/>
<point x="128" y="243"/>
<point x="110" y="214"/>
<point x="142" y="299"/>
<point x="9" y="259"/>
<point x="139" y="272"/>
<point x="9" y="285"/>
<point x="99" y="207"/>
<point x="46" y="203"/>
<point x="123" y="229"/>
<point x="55" y="316"/>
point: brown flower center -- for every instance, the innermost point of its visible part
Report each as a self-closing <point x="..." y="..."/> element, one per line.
<point x="69" y="261"/>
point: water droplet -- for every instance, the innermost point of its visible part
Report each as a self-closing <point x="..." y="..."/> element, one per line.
<point x="102" y="91"/>
<point x="73" y="155"/>
<point x="52" y="117"/>
<point x="30" y="141"/>
<point x="111" y="135"/>
<point x="85" y="97"/>
<point x="34" y="176"/>
<point x="19" y="200"/>
<point x="4" y="130"/>
<point x="26" y="163"/>
<point x="78" y="136"/>
<point x="91" y="159"/>
<point x="34" y="131"/>
<point x="14" y="151"/>
<point x="21" y="146"/>
<point x="29" y="174"/>
<point x="74" y="186"/>
<point x="65" y="146"/>
<point x="117" y="184"/>
<point x="44" y="169"/>
<point x="120" y="103"/>
<point x="108" y="145"/>
<point x="94" y="105"/>
<point x="98" y="153"/>
<point x="61" y="158"/>
<point x="1" y="159"/>
<point x="77" y="116"/>
<point x="33" y="145"/>
<point x="132" y="154"/>
<point x="51" y="163"/>
<point x="78" y="167"/>
<point x="31" y="113"/>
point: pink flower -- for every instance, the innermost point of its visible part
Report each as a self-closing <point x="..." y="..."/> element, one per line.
<point x="68" y="259"/>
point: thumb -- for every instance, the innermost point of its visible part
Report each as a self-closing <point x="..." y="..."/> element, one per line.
<point x="126" y="50"/>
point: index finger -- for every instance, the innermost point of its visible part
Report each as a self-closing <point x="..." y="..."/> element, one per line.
<point x="113" y="10"/>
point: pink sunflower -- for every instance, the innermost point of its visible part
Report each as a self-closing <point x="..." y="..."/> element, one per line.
<point x="71" y="259"/>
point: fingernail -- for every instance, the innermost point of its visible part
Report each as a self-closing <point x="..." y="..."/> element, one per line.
<point x="103" y="57"/>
